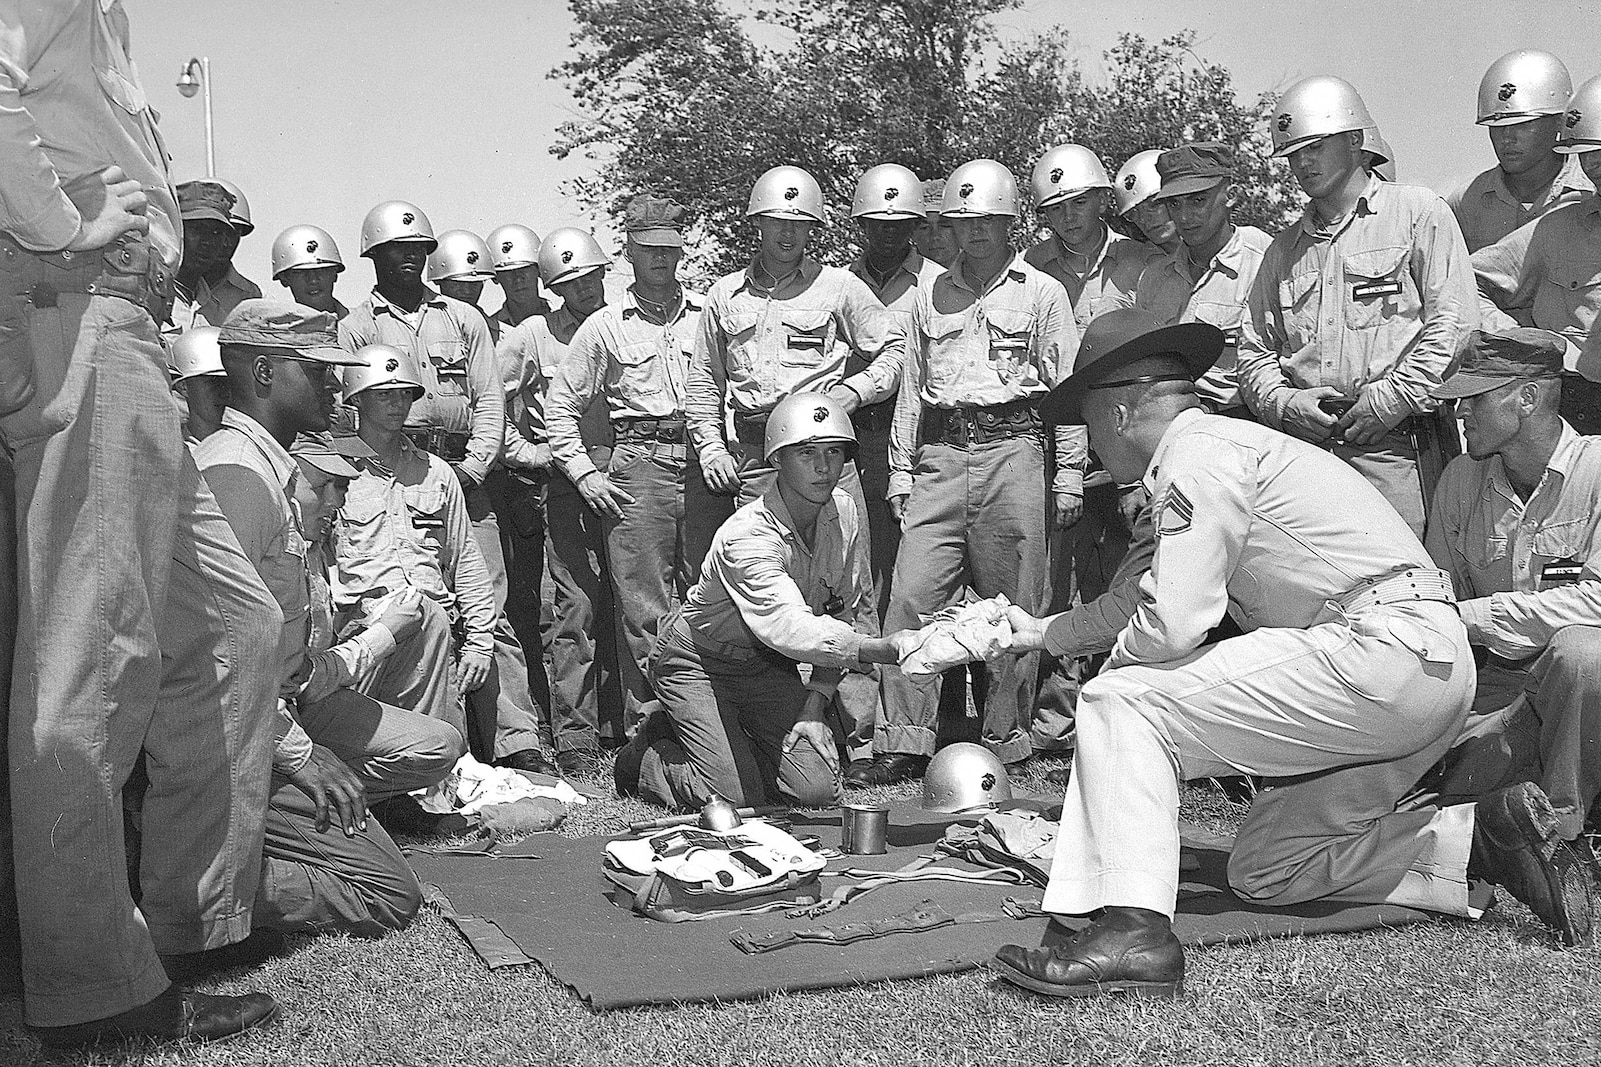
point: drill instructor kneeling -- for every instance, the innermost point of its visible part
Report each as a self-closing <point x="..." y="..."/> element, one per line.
<point x="1352" y="678"/>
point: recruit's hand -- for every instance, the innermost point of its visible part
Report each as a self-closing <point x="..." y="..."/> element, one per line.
<point x="845" y="397"/>
<point x="810" y="729"/>
<point x="1028" y="633"/>
<point x="1069" y="509"/>
<point x="1304" y="419"/>
<point x="472" y="670"/>
<point x="1362" y="425"/>
<point x="897" y="509"/>
<point x="122" y="211"/>
<point x="600" y="493"/>
<point x="334" y="789"/>
<point x="721" y="475"/>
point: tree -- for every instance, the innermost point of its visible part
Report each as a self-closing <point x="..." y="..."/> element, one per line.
<point x="679" y="98"/>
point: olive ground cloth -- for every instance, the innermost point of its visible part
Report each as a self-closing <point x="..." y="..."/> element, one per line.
<point x="545" y="900"/>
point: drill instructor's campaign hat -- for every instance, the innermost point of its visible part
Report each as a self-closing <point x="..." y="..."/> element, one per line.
<point x="1120" y="338"/>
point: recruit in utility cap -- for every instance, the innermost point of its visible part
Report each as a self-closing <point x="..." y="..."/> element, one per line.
<point x="1496" y="359"/>
<point x="1123" y="337"/>
<point x="330" y="454"/>
<point x="204" y="200"/>
<point x="296" y="331"/>
<point x="654" y="221"/>
<point x="1193" y="168"/>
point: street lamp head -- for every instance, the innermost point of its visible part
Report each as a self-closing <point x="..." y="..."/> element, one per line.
<point x="189" y="78"/>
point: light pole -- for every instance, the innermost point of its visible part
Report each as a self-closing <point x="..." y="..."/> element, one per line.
<point x="196" y="74"/>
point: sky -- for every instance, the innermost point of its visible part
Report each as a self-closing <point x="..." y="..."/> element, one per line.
<point x="324" y="108"/>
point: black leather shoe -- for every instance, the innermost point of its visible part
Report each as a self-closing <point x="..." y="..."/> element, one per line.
<point x="253" y="951"/>
<point x="172" y="1016"/>
<point x="889" y="769"/>
<point x="529" y="759"/>
<point x="1517" y="845"/>
<point x="578" y="763"/>
<point x="1112" y="955"/>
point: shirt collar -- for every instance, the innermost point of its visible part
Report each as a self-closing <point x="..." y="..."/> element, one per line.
<point x="281" y="462"/>
<point x="1366" y="204"/>
<point x="1013" y="272"/>
<point x="630" y="304"/>
<point x="809" y="270"/>
<point x="1180" y="423"/>
<point x="431" y="298"/>
<point x="773" y="500"/>
<point x="1057" y="250"/>
<point x="912" y="264"/>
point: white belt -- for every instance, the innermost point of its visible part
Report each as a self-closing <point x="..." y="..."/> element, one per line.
<point x="1417" y="584"/>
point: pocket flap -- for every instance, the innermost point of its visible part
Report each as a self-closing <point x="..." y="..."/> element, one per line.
<point x="807" y="320"/>
<point x="1375" y="262"/>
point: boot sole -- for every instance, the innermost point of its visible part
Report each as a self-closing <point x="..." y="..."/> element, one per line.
<point x="1127" y="987"/>
<point x="1567" y="880"/>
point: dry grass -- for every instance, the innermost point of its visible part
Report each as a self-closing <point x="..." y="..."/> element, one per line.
<point x="1494" y="992"/>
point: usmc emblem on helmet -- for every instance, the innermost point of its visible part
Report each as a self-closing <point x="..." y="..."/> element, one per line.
<point x="505" y="247"/>
<point x="1128" y="182"/>
<point x="567" y="256"/>
<point x="965" y="191"/>
<point x="1284" y="121"/>
<point x="391" y="365"/>
<point x="407" y="219"/>
<point x="987" y="782"/>
<point x="1574" y="115"/>
<point x="311" y="246"/>
<point x="1056" y="176"/>
<point x="820" y="414"/>
<point x="891" y="193"/>
<point x="791" y="193"/>
<point x="1505" y="92"/>
<point x="472" y="257"/>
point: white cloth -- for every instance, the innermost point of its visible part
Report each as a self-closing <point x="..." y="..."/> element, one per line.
<point x="967" y="633"/>
<point x="473" y="785"/>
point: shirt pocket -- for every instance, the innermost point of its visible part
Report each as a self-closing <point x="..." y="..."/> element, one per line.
<point x="1572" y="290"/>
<point x="1559" y="551"/>
<point x="804" y="337"/>
<point x="1378" y="287"/>
<point x="740" y="329"/>
<point x="944" y="335"/>
<point x="1011" y="334"/>
<point x="1485" y="554"/>
<point x="639" y="370"/>
<point x="426" y="505"/>
<point x="449" y="360"/>
<point x="1299" y="305"/>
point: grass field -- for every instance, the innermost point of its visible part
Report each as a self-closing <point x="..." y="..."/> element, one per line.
<point x="1493" y="992"/>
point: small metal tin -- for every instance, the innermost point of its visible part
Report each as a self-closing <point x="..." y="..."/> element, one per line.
<point x="864" y="829"/>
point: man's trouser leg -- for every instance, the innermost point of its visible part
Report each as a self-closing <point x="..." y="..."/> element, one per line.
<point x="1548" y="733"/>
<point x="1344" y="711"/>
<point x="519" y="501"/>
<point x="729" y="716"/>
<point x="1004" y="520"/>
<point x="930" y="571"/>
<point x="326" y="883"/>
<point x="1391" y="467"/>
<point x="208" y="753"/>
<point x="857" y="701"/>
<point x="505" y="694"/>
<point x="391" y="750"/>
<point x="416" y="676"/>
<point x="586" y="696"/>
<point x="10" y="938"/>
<point x="96" y="453"/>
<point x="1081" y="570"/>
<point x="642" y="550"/>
